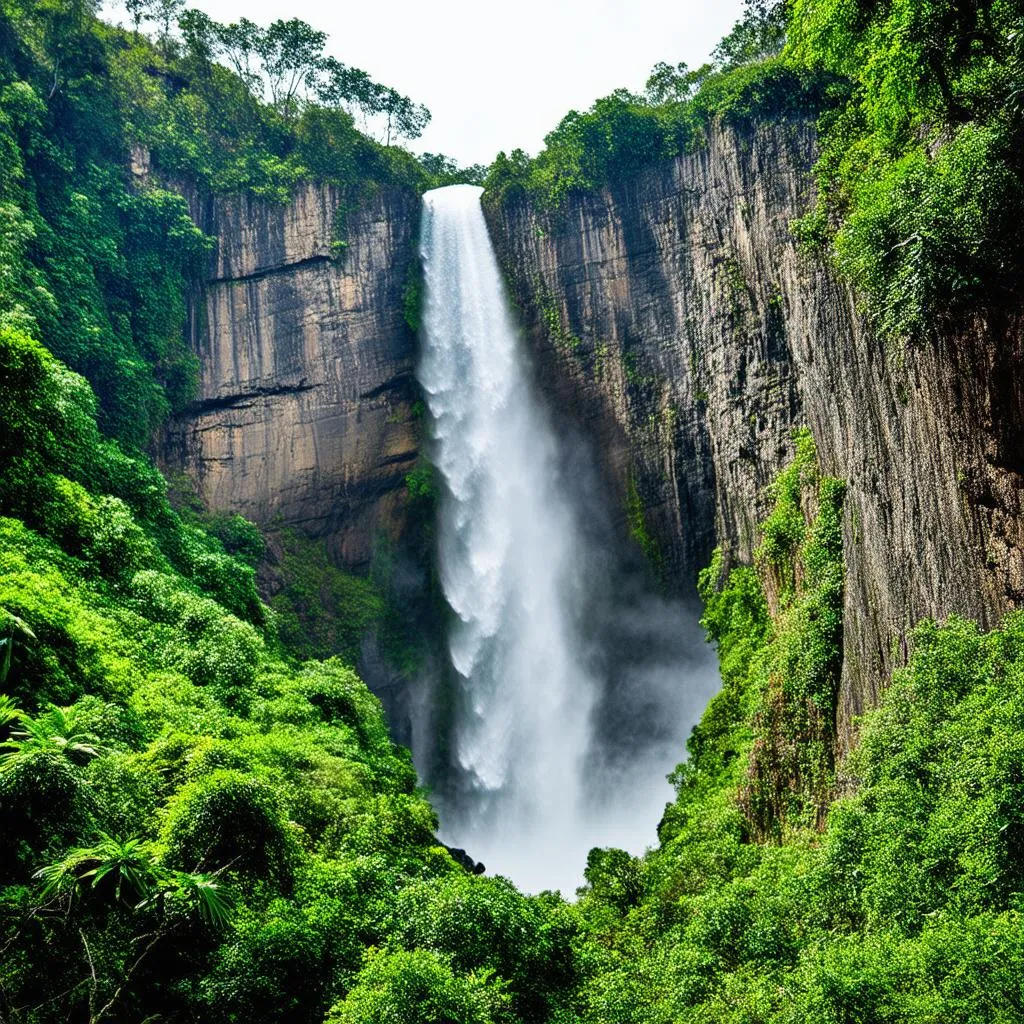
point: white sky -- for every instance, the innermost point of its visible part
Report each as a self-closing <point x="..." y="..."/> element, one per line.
<point x="498" y="76"/>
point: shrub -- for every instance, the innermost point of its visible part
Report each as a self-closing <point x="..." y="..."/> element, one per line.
<point x="44" y="803"/>
<point x="486" y="924"/>
<point x="228" y="819"/>
<point x="410" y="987"/>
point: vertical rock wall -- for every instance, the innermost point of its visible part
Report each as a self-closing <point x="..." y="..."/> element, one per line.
<point x="673" y="316"/>
<point x="305" y="409"/>
<point x="674" y="322"/>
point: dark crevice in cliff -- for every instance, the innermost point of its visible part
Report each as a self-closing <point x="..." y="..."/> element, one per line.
<point x="207" y="405"/>
<point x="399" y="382"/>
<point x="290" y="267"/>
<point x="400" y="458"/>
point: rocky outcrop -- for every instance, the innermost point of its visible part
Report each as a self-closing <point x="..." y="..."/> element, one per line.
<point x="674" y="317"/>
<point x="305" y="410"/>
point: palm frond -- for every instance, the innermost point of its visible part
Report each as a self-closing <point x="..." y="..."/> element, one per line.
<point x="9" y="711"/>
<point x="129" y="863"/>
<point x="216" y="904"/>
<point x="56" y="728"/>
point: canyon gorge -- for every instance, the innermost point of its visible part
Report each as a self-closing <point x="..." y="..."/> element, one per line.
<point x="584" y="589"/>
<point x="674" y="321"/>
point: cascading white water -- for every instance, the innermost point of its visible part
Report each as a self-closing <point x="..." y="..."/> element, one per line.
<point x="518" y="570"/>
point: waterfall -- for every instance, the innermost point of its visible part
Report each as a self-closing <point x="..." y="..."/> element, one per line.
<point x="574" y="691"/>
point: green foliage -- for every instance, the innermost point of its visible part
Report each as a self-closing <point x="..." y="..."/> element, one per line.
<point x="45" y="803"/>
<point x="921" y="177"/>
<point x="408" y="988"/>
<point x="56" y="729"/>
<point x="759" y="34"/>
<point x="48" y="415"/>
<point x="412" y="297"/>
<point x="240" y="538"/>
<point x="196" y="827"/>
<point x="485" y="927"/>
<point x="783" y="532"/>
<point x="322" y="610"/>
<point x="127" y="867"/>
<point x="100" y="263"/>
<point x="100" y="269"/>
<point x="228" y="818"/>
<point x="904" y="906"/>
<point x="443" y="170"/>
<point x="168" y="782"/>
<point x="56" y="468"/>
<point x="778" y="627"/>
<point x="735" y="616"/>
<point x="421" y="484"/>
<point x="636" y="517"/>
<point x="613" y="877"/>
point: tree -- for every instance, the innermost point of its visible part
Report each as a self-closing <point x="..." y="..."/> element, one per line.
<point x="128" y="871"/>
<point x="56" y="729"/>
<point x="443" y="170"/>
<point x="138" y="10"/>
<point x="760" y="33"/>
<point x="279" y="64"/>
<point x="509" y="174"/>
<point x="410" y="987"/>
<point x="340" y="85"/>
<point x="199" y="31"/>
<point x="285" y="65"/>
<point x="670" y="83"/>
<point x="65" y="25"/>
<point x="10" y="714"/>
<point x="238" y="44"/>
<point x="405" y="119"/>
<point x="291" y="53"/>
<point x="165" y="13"/>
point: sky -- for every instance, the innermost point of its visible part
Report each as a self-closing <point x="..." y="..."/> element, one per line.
<point x="500" y="76"/>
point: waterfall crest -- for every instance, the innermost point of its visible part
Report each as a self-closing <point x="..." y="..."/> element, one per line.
<point x="534" y="787"/>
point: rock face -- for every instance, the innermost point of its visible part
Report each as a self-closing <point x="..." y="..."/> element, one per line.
<point x="305" y="409"/>
<point x="673" y="317"/>
<point x="674" y="321"/>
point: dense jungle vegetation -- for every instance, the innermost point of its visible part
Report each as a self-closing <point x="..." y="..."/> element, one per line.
<point x="198" y="824"/>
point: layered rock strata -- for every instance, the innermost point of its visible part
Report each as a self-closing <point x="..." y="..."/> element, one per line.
<point x="305" y="410"/>
<point x="674" y="317"/>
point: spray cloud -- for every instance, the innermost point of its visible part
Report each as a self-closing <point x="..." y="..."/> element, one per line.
<point x="575" y="686"/>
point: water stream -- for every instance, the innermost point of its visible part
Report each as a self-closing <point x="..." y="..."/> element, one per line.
<point x="575" y="684"/>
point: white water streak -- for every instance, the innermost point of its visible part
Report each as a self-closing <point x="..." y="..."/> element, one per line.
<point x="514" y="567"/>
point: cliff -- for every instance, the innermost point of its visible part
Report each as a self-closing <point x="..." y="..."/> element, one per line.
<point x="674" y="320"/>
<point x="674" y="317"/>
<point x="304" y="415"/>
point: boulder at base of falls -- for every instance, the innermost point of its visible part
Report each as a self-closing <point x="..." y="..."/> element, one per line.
<point x="463" y="859"/>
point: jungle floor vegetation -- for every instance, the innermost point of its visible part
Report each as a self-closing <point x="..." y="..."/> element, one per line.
<point x="199" y="822"/>
<point x="199" y="827"/>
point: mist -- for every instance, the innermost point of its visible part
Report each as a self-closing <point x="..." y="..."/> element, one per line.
<point x="572" y="684"/>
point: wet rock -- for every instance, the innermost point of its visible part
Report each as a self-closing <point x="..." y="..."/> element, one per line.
<point x="464" y="860"/>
